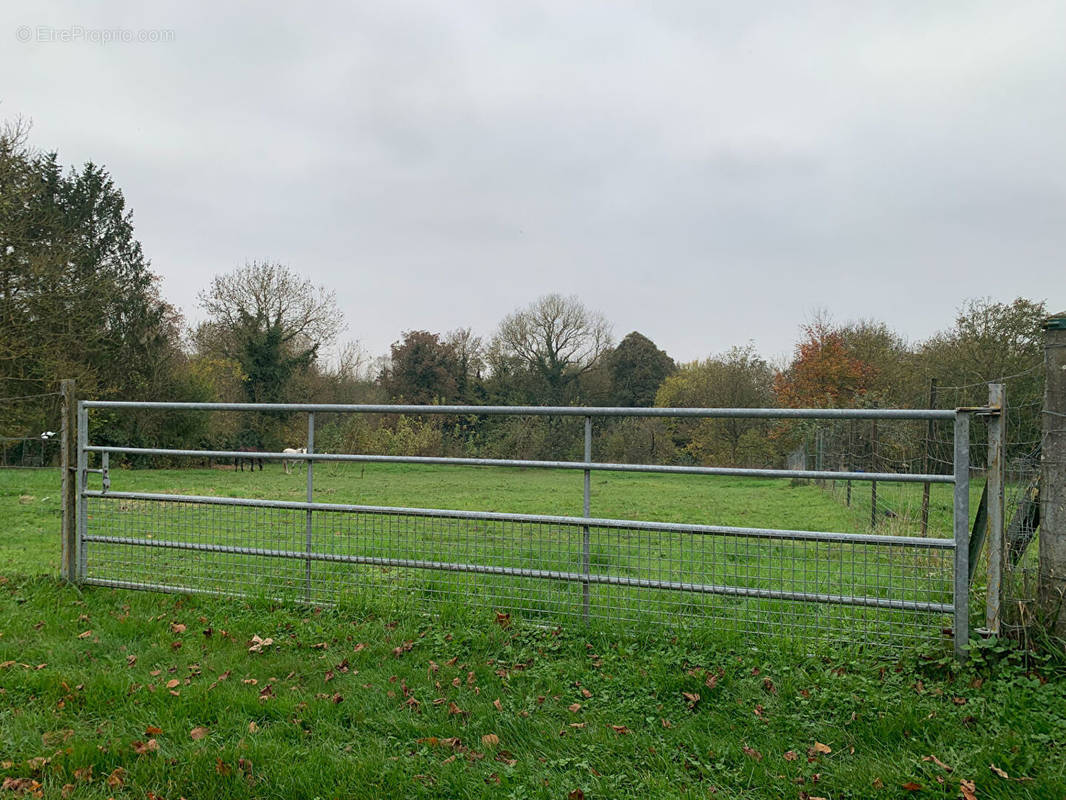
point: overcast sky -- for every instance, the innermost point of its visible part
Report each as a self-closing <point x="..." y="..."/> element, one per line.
<point x="707" y="174"/>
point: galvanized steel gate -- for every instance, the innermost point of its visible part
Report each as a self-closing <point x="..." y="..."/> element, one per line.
<point x="860" y="587"/>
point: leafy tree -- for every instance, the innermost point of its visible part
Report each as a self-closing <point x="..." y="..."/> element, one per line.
<point x="77" y="296"/>
<point x="739" y="378"/>
<point x="423" y="369"/>
<point x="636" y="369"/>
<point x="824" y="372"/>
<point x="992" y="342"/>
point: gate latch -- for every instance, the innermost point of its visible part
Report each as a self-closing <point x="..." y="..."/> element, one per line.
<point x="104" y="471"/>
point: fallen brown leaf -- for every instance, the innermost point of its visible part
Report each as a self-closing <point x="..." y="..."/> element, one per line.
<point x="256" y="645"/>
<point x="968" y="789"/>
<point x="152" y="730"/>
<point x="140" y="748"/>
<point x="911" y="786"/>
<point x="938" y="762"/>
<point x="85" y="635"/>
<point x="490" y="740"/>
<point x="198" y="733"/>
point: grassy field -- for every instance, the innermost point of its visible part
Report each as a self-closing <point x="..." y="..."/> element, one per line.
<point x="110" y="693"/>
<point x="750" y="562"/>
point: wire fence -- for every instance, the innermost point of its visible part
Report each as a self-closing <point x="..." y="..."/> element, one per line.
<point x="27" y="440"/>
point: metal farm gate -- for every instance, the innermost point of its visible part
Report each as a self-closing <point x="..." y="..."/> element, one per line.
<point x="877" y="589"/>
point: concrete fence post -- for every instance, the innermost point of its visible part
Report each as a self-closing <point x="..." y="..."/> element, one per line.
<point x="1052" y="567"/>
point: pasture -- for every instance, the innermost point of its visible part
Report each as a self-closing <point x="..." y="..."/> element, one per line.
<point x="113" y="693"/>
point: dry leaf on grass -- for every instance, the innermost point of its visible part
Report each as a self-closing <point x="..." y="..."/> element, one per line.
<point x="938" y="762"/>
<point x="256" y="645"/>
<point x="198" y="733"/>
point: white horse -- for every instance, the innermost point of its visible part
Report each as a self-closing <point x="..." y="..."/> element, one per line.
<point x="288" y="463"/>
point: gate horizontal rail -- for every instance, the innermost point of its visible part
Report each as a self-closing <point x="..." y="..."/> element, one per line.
<point x="549" y="519"/>
<point x="603" y="466"/>
<point x="767" y="577"/>
<point x="550" y="411"/>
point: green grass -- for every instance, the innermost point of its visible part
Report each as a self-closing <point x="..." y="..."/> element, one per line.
<point x="749" y="562"/>
<point x="89" y="672"/>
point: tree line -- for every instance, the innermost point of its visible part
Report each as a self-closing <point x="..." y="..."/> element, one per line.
<point x="78" y="299"/>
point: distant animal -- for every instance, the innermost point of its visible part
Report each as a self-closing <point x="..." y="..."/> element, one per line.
<point x="251" y="459"/>
<point x="289" y="463"/>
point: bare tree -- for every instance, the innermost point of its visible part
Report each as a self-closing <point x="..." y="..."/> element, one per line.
<point x="261" y="296"/>
<point x="272" y="321"/>
<point x="557" y="338"/>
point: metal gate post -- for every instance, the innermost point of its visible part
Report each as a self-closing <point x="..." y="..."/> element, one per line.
<point x="68" y="460"/>
<point x="310" y="499"/>
<point x="961" y="595"/>
<point x="997" y="434"/>
<point x="585" y="537"/>
<point x="81" y="484"/>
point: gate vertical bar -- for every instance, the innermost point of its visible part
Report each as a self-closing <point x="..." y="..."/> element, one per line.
<point x="81" y="481"/>
<point x="997" y="435"/>
<point x="585" y="534"/>
<point x="873" y="468"/>
<point x="930" y="434"/>
<point x="68" y="460"/>
<point x="310" y="499"/>
<point x="961" y="596"/>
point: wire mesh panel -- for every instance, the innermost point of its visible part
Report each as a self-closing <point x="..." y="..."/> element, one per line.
<point x="862" y="589"/>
